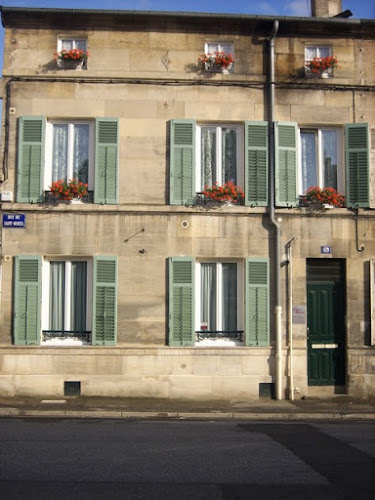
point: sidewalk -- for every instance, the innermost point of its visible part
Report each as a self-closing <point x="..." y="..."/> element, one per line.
<point x="339" y="407"/>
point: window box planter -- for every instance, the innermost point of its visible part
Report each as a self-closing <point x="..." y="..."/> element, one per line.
<point x="217" y="62"/>
<point x="71" y="59"/>
<point x="321" y="66"/>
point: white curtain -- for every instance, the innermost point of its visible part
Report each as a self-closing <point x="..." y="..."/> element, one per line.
<point x="76" y="317"/>
<point x="57" y="296"/>
<point x="60" y="152"/>
<point x="329" y="152"/>
<point x="229" y="314"/>
<point x="208" y="157"/>
<point x="208" y="295"/>
<point x="78" y="297"/>
<point x="81" y="152"/>
<point x="308" y="157"/>
<point x="229" y="159"/>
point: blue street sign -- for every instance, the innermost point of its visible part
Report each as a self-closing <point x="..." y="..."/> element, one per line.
<point x="14" y="220"/>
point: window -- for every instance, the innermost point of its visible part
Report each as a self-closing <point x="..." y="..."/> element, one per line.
<point x="67" y="43"/>
<point x="218" y="292"/>
<point x="203" y="154"/>
<point x="219" y="302"/>
<point x="65" y="301"/>
<point x="313" y="51"/>
<point x="50" y="150"/>
<point x="219" y="155"/>
<point x="69" y="152"/>
<point x="321" y="158"/>
<point x="212" y="48"/>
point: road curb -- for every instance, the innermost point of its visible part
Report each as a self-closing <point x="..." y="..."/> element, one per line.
<point x="118" y="414"/>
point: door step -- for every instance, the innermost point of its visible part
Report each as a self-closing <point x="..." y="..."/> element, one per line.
<point x="326" y="391"/>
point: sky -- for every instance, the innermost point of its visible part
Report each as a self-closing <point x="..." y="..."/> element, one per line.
<point x="361" y="9"/>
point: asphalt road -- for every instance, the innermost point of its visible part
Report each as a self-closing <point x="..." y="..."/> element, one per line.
<point x="117" y="459"/>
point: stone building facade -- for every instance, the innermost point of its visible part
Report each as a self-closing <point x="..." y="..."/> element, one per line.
<point x="149" y="287"/>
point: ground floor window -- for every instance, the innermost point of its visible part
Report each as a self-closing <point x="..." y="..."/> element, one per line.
<point x="65" y="293"/>
<point x="218" y="302"/>
<point x="65" y="301"/>
<point x="218" y="305"/>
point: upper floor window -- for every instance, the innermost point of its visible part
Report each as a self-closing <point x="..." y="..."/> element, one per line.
<point x="51" y="150"/>
<point x="67" y="44"/>
<point x="322" y="161"/>
<point x="219" y="155"/>
<point x="222" y="49"/>
<point x="317" y="52"/>
<point x="69" y="152"/>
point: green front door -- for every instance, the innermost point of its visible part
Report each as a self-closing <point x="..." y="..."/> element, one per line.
<point x="326" y="321"/>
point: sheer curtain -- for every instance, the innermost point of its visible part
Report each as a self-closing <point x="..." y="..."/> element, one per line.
<point x="60" y="152"/>
<point x="81" y="152"/>
<point x="208" y="157"/>
<point x="229" y="152"/>
<point x="208" y="295"/>
<point x="329" y="152"/>
<point x="229" y="317"/>
<point x="308" y="157"/>
<point x="78" y="296"/>
<point x="57" y="296"/>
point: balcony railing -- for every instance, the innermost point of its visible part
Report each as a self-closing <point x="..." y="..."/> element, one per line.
<point x="84" y="336"/>
<point x="50" y="198"/>
<point x="219" y="334"/>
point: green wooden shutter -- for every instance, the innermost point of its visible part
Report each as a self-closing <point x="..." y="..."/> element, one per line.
<point x="257" y="302"/>
<point x="104" y="323"/>
<point x="357" y="165"/>
<point x="285" y="164"/>
<point x="106" y="161"/>
<point x="182" y="161"/>
<point x="31" y="134"/>
<point x="256" y="163"/>
<point x="181" y="301"/>
<point x="27" y="300"/>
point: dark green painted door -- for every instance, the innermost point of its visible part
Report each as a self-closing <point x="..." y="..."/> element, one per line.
<point x="326" y="331"/>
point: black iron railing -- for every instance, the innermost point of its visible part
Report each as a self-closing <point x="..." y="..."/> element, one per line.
<point x="50" y="198"/>
<point x="84" y="336"/>
<point x="219" y="334"/>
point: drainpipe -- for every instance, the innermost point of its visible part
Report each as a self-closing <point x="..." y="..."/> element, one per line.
<point x="290" y="332"/>
<point x="271" y="119"/>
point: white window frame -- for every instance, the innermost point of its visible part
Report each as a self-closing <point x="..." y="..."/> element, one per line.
<point x="49" y="150"/>
<point x="319" y="155"/>
<point x="46" y="294"/>
<point x="73" y="39"/>
<point x="240" y="300"/>
<point x="318" y="49"/>
<point x="239" y="152"/>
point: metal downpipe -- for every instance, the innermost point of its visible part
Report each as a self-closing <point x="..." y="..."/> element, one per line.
<point x="271" y="119"/>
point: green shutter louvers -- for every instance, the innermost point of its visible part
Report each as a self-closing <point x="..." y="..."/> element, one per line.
<point x="106" y="160"/>
<point x="31" y="138"/>
<point x="285" y="164"/>
<point x="182" y="161"/>
<point x="27" y="300"/>
<point x="104" y="327"/>
<point x="357" y="152"/>
<point x="181" y="301"/>
<point x="256" y="163"/>
<point x="257" y="302"/>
